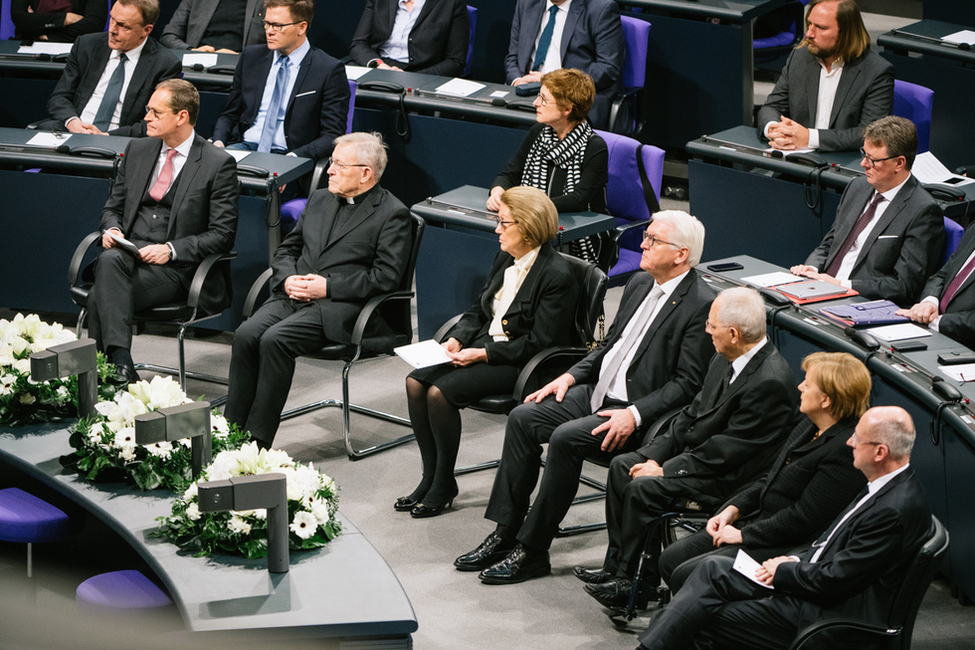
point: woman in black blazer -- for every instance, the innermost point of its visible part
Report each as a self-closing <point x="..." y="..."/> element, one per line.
<point x="811" y="482"/>
<point x="526" y="305"/>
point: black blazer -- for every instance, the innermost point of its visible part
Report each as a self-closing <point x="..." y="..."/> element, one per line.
<point x="84" y="68"/>
<point x="31" y="25"/>
<point x="958" y="320"/>
<point x="203" y="219"/>
<point x="669" y="365"/>
<point x="540" y="316"/>
<point x="865" y="93"/>
<point x="437" y="43"/>
<point x="809" y="484"/>
<point x="189" y="23"/>
<point x="589" y="194"/>
<point x="716" y="447"/>
<point x="903" y="249"/>
<point x="317" y="109"/>
<point x="859" y="570"/>
<point x="364" y="257"/>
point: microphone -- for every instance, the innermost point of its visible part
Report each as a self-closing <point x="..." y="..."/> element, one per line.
<point x="498" y="101"/>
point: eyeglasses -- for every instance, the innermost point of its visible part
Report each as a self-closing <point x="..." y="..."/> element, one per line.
<point x="708" y="325"/>
<point x="504" y="224"/>
<point x="656" y="240"/>
<point x="277" y="27"/>
<point x="872" y="162"/>
<point x="341" y="165"/>
<point x="543" y="100"/>
<point x="854" y="441"/>
<point x="156" y="113"/>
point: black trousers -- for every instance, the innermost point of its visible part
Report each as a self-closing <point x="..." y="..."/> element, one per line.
<point x="123" y="286"/>
<point x="262" y="362"/>
<point x="567" y="429"/>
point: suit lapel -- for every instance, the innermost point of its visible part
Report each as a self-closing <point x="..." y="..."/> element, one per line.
<point x="362" y="212"/>
<point x="137" y="179"/>
<point x="844" y="229"/>
<point x="302" y="73"/>
<point x="753" y="364"/>
<point x="427" y="8"/>
<point x="631" y="308"/>
<point x="850" y="73"/>
<point x="99" y="61"/>
<point x="140" y="77"/>
<point x="812" y="89"/>
<point x="864" y="509"/>
<point x="668" y="308"/>
<point x="575" y="12"/>
<point x="533" y="21"/>
<point x="190" y="169"/>
<point x="890" y="213"/>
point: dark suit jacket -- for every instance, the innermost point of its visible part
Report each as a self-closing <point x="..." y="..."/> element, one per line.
<point x="31" y="25"/>
<point x="859" y="570"/>
<point x="192" y="17"/>
<point x="589" y="194"/>
<point x="437" y="43"/>
<point x="203" y="219"/>
<point x="84" y="68"/>
<point x="958" y="320"/>
<point x="317" y="109"/>
<point x="809" y="484"/>
<point x="540" y="316"/>
<point x="903" y="249"/>
<point x="669" y="365"/>
<point x="592" y="41"/>
<point x="362" y="258"/>
<point x="865" y="94"/>
<point x="716" y="447"/>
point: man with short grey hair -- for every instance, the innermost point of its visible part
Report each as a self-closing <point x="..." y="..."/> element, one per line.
<point x="728" y="436"/>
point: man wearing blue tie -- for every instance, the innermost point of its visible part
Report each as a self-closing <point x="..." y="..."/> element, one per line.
<point x="286" y="97"/>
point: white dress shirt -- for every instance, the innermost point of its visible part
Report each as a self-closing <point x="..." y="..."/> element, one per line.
<point x="252" y="135"/>
<point x="91" y="108"/>
<point x="829" y="81"/>
<point x="846" y="266"/>
<point x="514" y="277"/>
<point x="397" y="47"/>
<point x="553" y="60"/>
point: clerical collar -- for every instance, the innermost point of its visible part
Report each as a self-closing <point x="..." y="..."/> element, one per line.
<point x="357" y="199"/>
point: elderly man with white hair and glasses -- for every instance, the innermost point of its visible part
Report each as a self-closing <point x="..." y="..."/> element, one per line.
<point x="653" y="360"/>
<point x="727" y="437"/>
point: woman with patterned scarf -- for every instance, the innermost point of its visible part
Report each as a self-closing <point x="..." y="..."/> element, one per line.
<point x="562" y="155"/>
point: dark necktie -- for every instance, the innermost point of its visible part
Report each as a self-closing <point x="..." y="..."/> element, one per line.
<point x="274" y="110"/>
<point x="858" y="227"/>
<point x="103" y="117"/>
<point x="541" y="52"/>
<point x="955" y="285"/>
<point x="824" y="539"/>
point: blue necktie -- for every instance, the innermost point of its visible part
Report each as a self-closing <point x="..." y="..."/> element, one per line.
<point x="541" y="52"/>
<point x="103" y="118"/>
<point x="276" y="108"/>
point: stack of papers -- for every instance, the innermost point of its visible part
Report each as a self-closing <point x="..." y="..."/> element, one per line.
<point x="898" y="332"/>
<point x="423" y="354"/>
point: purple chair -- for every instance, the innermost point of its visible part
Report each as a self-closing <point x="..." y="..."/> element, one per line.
<point x="953" y="234"/>
<point x="915" y="103"/>
<point x="120" y="591"/>
<point x="626" y="200"/>
<point x="6" y="22"/>
<point x="472" y="19"/>
<point x="25" y="519"/>
<point x="636" y="35"/>
<point x="291" y="210"/>
<point x="772" y="47"/>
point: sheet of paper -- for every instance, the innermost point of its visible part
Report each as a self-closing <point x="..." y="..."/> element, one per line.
<point x="771" y="279"/>
<point x="500" y="93"/>
<point x="928" y="169"/>
<point x="45" y="48"/>
<point x="238" y="154"/>
<point x="459" y="87"/>
<point x="206" y="59"/>
<point x="959" y="372"/>
<point x="964" y="36"/>
<point x="353" y="72"/>
<point x="48" y="139"/>
<point x="746" y="566"/>
<point x="898" y="332"/>
<point x="423" y="354"/>
<point x="125" y="244"/>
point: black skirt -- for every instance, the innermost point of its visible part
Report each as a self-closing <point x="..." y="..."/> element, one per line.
<point x="464" y="386"/>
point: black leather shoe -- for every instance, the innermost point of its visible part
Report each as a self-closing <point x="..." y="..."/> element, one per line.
<point x="422" y="511"/>
<point x="592" y="576"/>
<point x="405" y="504"/>
<point x="124" y="375"/>
<point x="520" y="565"/>
<point x="615" y="593"/>
<point x="491" y="550"/>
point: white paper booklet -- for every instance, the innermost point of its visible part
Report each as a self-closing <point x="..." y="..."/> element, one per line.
<point x="423" y="354"/>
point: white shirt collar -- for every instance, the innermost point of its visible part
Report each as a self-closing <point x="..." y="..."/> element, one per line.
<point x="875" y="485"/>
<point x="739" y="364"/>
<point x="183" y="148"/>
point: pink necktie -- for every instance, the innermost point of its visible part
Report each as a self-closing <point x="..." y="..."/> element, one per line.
<point x="165" y="178"/>
<point x="955" y="285"/>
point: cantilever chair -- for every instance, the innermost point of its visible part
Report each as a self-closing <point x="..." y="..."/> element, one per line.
<point x="184" y="313"/>
<point x="636" y="36"/>
<point x="394" y="308"/>
<point x="915" y="103"/>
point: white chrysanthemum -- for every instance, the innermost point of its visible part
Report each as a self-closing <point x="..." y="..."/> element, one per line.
<point x="238" y="525"/>
<point x="295" y="491"/>
<point x="308" y="481"/>
<point x="304" y="524"/>
<point x="27" y="399"/>
<point x="193" y="512"/>
<point x="160" y="449"/>
<point x="127" y="453"/>
<point x="191" y="492"/>
<point x="321" y="510"/>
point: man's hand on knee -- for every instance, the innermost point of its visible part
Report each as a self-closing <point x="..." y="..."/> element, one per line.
<point x="557" y="386"/>
<point x="649" y="468"/>
<point x="618" y="428"/>
<point x="306" y="287"/>
<point x="107" y="240"/>
<point x="154" y="254"/>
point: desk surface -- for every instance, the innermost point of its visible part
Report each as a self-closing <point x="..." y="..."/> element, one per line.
<point x="735" y="11"/>
<point x="342" y="589"/>
<point x="923" y="37"/>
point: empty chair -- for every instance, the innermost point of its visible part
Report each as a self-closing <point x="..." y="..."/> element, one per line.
<point x="120" y="591"/>
<point x="26" y="519"/>
<point x="915" y="103"/>
<point x="636" y="35"/>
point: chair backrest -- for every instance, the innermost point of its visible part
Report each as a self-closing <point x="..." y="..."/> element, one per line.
<point x="917" y="578"/>
<point x="953" y="234"/>
<point x="592" y="291"/>
<point x="397" y="314"/>
<point x="915" y="103"/>
<point x="6" y="22"/>
<point x="108" y="21"/>
<point x="636" y="35"/>
<point x="791" y="19"/>
<point x="472" y="19"/>
<point x="348" y="120"/>
<point x="624" y="191"/>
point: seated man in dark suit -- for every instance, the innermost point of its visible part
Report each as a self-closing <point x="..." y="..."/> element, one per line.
<point x="832" y="86"/>
<point x="729" y="435"/>
<point x="889" y="233"/>
<point x="57" y="21"/>
<point x="109" y="77"/>
<point x="175" y="197"/>
<point x="653" y="361"/>
<point x="287" y="96"/>
<point x="949" y="301"/>
<point x="585" y="34"/>
<point x="429" y="36"/>
<point x="353" y="242"/>
<point x="215" y="26"/>
<point x="852" y="570"/>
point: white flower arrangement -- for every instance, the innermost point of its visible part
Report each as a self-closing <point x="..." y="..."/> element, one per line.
<point x="312" y="504"/>
<point x="105" y="447"/>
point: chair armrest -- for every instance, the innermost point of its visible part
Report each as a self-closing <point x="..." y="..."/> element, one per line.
<point x="316" y="176"/>
<point x="200" y="276"/>
<point x="547" y="356"/>
<point x="74" y="268"/>
<point x="622" y="230"/>
<point x="363" y="320"/>
<point x="446" y="327"/>
<point x="255" y="291"/>
<point x="815" y="628"/>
